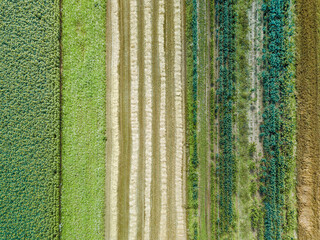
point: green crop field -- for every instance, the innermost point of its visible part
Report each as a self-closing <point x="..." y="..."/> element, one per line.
<point x="83" y="114"/>
<point x="159" y="119"/>
<point x="29" y="119"/>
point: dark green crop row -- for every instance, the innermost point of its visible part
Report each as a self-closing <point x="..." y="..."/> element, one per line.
<point x="225" y="93"/>
<point x="29" y="119"/>
<point x="191" y="112"/>
<point x="278" y="126"/>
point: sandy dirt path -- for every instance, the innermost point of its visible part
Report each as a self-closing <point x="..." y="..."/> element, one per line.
<point x="142" y="122"/>
<point x="133" y="209"/>
<point x="170" y="116"/>
<point x="308" y="135"/>
<point x="179" y="118"/>
<point x="148" y="103"/>
<point x="156" y="91"/>
<point x="112" y="120"/>
<point x="164" y="182"/>
<point x="145" y="188"/>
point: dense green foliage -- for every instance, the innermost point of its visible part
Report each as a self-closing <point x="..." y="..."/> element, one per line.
<point x="29" y="119"/>
<point x="225" y="96"/>
<point x="278" y="126"/>
<point x="203" y="119"/>
<point x="84" y="116"/>
<point x="288" y="124"/>
<point x="212" y="124"/>
<point x="191" y="94"/>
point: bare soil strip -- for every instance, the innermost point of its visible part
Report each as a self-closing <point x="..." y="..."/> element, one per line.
<point x="133" y="210"/>
<point x="170" y="116"/>
<point x="149" y="113"/>
<point x="164" y="182"/>
<point x="124" y="120"/>
<point x="179" y="78"/>
<point x="155" y="183"/>
<point x="145" y="108"/>
<point x="142" y="122"/>
<point x="308" y="149"/>
<point x="112" y="169"/>
<point x="108" y="118"/>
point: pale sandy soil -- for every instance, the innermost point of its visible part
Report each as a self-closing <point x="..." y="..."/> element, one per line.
<point x="133" y="209"/>
<point x="179" y="79"/>
<point x="145" y="188"/>
<point x="163" y="218"/>
<point x="254" y="119"/>
<point x="112" y="170"/>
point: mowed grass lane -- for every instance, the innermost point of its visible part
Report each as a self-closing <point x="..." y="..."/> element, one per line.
<point x="84" y="117"/>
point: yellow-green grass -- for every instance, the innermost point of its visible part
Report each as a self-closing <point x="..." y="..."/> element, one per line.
<point x="83" y="114"/>
<point x="29" y="119"/>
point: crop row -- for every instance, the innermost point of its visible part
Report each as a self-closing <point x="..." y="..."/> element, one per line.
<point x="191" y="111"/>
<point x="225" y="93"/>
<point x="278" y="125"/>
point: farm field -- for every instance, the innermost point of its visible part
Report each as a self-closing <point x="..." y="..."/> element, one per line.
<point x="159" y="119"/>
<point x="29" y="120"/>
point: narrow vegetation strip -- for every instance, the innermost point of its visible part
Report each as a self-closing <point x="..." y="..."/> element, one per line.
<point x="83" y="126"/>
<point x="278" y="121"/>
<point x="226" y="169"/>
<point x="30" y="119"/>
<point x="191" y="118"/>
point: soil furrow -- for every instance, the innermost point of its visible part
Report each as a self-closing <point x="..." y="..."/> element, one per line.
<point x="142" y="122"/>
<point x="164" y="182"/>
<point x="149" y="113"/>
<point x="308" y="135"/>
<point x="155" y="183"/>
<point x="170" y="115"/>
<point x="112" y="121"/>
<point x="124" y="120"/>
<point x="178" y="81"/>
<point x="133" y="210"/>
<point x="108" y="118"/>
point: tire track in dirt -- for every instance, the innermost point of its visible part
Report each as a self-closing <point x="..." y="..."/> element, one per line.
<point x="142" y="122"/>
<point x="124" y="120"/>
<point x="134" y="48"/>
<point x="170" y="116"/>
<point x="155" y="183"/>
<point x="145" y="182"/>
<point x="179" y="119"/>
<point x="308" y="135"/>
<point x="112" y="147"/>
<point x="148" y="104"/>
<point x="164" y="181"/>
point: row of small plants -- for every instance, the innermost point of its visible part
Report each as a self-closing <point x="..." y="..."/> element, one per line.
<point x="226" y="167"/>
<point x="191" y="112"/>
<point x="278" y="121"/>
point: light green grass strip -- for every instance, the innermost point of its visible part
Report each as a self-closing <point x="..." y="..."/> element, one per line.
<point x="83" y="126"/>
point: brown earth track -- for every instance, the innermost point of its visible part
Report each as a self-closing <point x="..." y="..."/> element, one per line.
<point x="155" y="183"/>
<point x="144" y="183"/>
<point x="170" y="117"/>
<point x="308" y="120"/>
<point x="142" y="119"/>
<point x="124" y="120"/>
<point x="108" y="117"/>
<point x="112" y="126"/>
